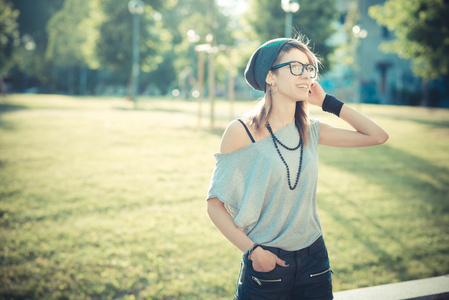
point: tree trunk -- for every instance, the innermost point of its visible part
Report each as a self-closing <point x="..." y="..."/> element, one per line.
<point x="70" y="81"/>
<point x="83" y="80"/>
<point x="129" y="93"/>
<point x="425" y="94"/>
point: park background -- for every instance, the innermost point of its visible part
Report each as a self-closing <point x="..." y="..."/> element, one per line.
<point x="103" y="174"/>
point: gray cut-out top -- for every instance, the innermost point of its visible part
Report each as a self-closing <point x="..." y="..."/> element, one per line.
<point x="252" y="183"/>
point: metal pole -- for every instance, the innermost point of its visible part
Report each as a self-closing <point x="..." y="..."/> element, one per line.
<point x="83" y="79"/>
<point x="135" y="68"/>
<point x="25" y="73"/>
<point x="288" y="24"/>
<point x="200" y="84"/>
<point x="212" y="86"/>
<point x="231" y="85"/>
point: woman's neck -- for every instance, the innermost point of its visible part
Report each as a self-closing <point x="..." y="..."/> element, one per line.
<point x="282" y="113"/>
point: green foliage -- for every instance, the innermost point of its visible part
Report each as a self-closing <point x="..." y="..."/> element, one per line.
<point x="114" y="45"/>
<point x="68" y="34"/>
<point x="313" y="20"/>
<point x="100" y="201"/>
<point x="208" y="22"/>
<point x="422" y="30"/>
<point x="99" y="34"/>
<point x="32" y="23"/>
<point x="345" y="53"/>
<point x="9" y="33"/>
<point x="205" y="18"/>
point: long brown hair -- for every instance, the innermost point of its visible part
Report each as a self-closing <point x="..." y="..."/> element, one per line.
<point x="259" y="116"/>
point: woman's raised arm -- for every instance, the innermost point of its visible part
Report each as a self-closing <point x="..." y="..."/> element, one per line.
<point x="365" y="133"/>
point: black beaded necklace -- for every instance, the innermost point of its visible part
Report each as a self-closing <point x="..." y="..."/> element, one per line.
<point x="277" y="141"/>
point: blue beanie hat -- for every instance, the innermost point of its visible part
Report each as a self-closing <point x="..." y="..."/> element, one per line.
<point x="260" y="63"/>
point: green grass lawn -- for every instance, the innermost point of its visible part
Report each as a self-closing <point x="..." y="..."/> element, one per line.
<point x="102" y="201"/>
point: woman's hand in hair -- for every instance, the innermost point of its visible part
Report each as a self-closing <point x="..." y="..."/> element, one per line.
<point x="316" y="94"/>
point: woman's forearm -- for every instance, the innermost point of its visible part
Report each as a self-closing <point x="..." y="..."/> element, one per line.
<point x="224" y="222"/>
<point x="367" y="133"/>
<point x="363" y="125"/>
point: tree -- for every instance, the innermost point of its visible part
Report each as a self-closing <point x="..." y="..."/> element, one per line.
<point x="114" y="44"/>
<point x="9" y="33"/>
<point x="69" y="32"/>
<point x="422" y="31"/>
<point x="313" y="20"/>
<point x="204" y="18"/>
<point x="32" y="23"/>
<point x="98" y="35"/>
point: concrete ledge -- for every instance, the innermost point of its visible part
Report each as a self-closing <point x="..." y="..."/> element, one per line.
<point x="436" y="288"/>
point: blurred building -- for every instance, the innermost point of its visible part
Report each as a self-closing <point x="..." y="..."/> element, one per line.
<point x="384" y="77"/>
<point x="369" y="75"/>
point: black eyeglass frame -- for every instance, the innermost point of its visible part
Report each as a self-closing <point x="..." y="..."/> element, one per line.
<point x="304" y="66"/>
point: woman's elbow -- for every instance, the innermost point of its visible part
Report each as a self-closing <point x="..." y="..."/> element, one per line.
<point x="382" y="138"/>
<point x="213" y="205"/>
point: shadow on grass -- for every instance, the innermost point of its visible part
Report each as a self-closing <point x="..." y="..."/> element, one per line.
<point x="7" y="107"/>
<point x="132" y="109"/>
<point x="385" y="165"/>
<point x="172" y="110"/>
<point x="400" y="174"/>
<point x="152" y="109"/>
<point x="5" y="125"/>
<point x="432" y="124"/>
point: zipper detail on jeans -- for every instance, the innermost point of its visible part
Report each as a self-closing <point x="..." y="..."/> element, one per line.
<point x="321" y="273"/>
<point x="261" y="281"/>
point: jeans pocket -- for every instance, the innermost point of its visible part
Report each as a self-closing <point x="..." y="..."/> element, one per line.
<point x="275" y="279"/>
<point x="320" y="253"/>
<point x="321" y="273"/>
<point x="249" y="263"/>
<point x="261" y="282"/>
<point x="319" y="265"/>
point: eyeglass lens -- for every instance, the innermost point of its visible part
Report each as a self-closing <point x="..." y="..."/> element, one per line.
<point x="298" y="69"/>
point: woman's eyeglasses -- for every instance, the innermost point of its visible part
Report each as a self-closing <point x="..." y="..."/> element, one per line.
<point x="297" y="68"/>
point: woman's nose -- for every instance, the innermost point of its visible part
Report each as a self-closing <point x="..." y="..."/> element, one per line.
<point x="305" y="73"/>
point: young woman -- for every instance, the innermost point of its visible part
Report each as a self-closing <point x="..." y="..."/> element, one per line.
<point x="262" y="195"/>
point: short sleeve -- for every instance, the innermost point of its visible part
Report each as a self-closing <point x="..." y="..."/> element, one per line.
<point x="235" y="183"/>
<point x="314" y="131"/>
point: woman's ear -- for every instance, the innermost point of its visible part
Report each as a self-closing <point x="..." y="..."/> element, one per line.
<point x="271" y="78"/>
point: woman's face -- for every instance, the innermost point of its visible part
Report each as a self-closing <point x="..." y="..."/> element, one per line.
<point x="292" y="86"/>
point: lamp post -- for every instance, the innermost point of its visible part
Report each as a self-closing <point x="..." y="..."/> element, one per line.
<point x="136" y="8"/>
<point x="201" y="49"/>
<point x="359" y="35"/>
<point x="30" y="46"/>
<point x="211" y="81"/>
<point x="290" y="7"/>
<point x="189" y="87"/>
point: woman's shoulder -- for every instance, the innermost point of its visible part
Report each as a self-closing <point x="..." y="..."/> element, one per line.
<point x="234" y="138"/>
<point x="314" y="122"/>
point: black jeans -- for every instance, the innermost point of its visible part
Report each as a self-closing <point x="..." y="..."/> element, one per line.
<point x="308" y="276"/>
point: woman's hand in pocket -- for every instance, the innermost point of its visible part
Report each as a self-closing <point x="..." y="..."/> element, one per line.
<point x="265" y="261"/>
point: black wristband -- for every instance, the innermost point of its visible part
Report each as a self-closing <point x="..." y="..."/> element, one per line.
<point x="248" y="253"/>
<point x="332" y="105"/>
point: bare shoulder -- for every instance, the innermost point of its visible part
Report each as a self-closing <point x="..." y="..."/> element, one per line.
<point x="234" y="138"/>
